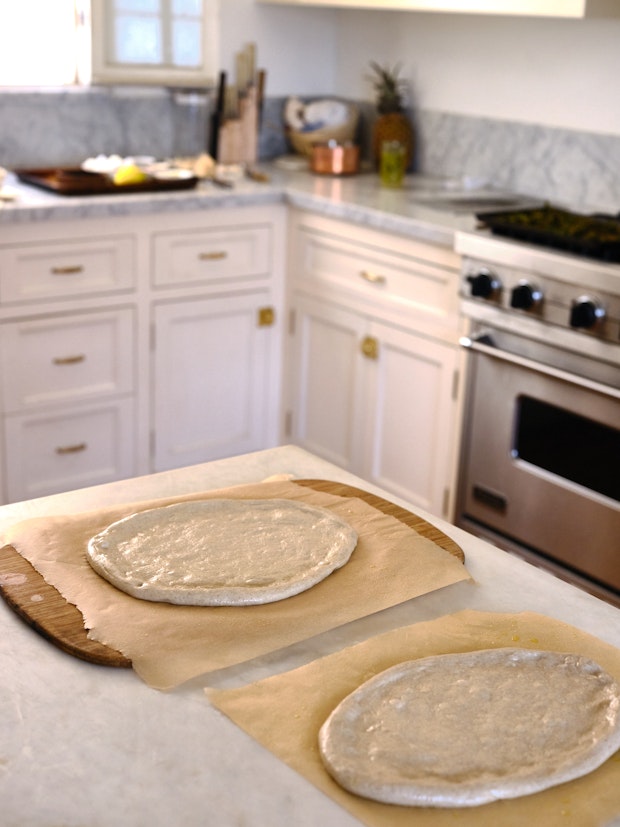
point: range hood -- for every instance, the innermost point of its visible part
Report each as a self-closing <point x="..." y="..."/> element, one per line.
<point x="574" y="9"/>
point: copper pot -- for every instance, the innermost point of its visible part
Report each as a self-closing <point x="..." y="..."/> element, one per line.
<point x="335" y="159"/>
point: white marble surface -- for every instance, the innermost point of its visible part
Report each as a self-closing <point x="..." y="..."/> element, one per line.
<point x="88" y="745"/>
<point x="360" y="199"/>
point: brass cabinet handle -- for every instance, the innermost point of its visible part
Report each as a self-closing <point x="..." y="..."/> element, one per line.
<point x="373" y="278"/>
<point x="71" y="449"/>
<point x="67" y="271"/>
<point x="266" y="316"/>
<point x="370" y="347"/>
<point x="215" y="255"/>
<point x="69" y="360"/>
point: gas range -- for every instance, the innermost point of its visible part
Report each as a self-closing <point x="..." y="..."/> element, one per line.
<point x="566" y="298"/>
<point x="541" y="441"/>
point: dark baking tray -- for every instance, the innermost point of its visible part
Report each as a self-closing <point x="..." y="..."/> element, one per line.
<point x="593" y="236"/>
<point x="70" y="181"/>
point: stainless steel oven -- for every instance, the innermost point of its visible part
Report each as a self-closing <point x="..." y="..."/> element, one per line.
<point x="540" y="471"/>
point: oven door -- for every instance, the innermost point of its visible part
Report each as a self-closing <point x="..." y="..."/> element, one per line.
<point x="541" y="462"/>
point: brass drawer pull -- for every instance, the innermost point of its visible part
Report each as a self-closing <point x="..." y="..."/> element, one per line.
<point x="71" y="449"/>
<point x="67" y="271"/>
<point x="69" y="360"/>
<point x="216" y="255"/>
<point x="370" y="347"/>
<point x="373" y="278"/>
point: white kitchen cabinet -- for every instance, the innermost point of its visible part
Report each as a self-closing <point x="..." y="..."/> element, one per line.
<point x="126" y="352"/>
<point x="375" y="368"/>
<point x="375" y="399"/>
<point x="527" y="8"/>
<point x="213" y="360"/>
<point x="67" y="356"/>
<point x="217" y="317"/>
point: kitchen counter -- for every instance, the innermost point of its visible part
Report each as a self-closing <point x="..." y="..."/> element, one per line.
<point x="89" y="745"/>
<point x="359" y="199"/>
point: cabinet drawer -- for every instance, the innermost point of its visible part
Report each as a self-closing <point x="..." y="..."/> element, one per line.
<point x="63" y="359"/>
<point x="65" y="269"/>
<point x="70" y="449"/>
<point x="409" y="275"/>
<point x="212" y="256"/>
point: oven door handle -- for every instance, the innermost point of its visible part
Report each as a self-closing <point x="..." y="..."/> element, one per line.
<point x="480" y="346"/>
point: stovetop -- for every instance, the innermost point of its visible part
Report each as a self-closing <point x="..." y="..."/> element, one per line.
<point x="542" y="293"/>
<point x="574" y="270"/>
<point x="594" y="236"/>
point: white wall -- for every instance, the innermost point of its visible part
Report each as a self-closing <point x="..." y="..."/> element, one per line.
<point x="297" y="46"/>
<point x="562" y="73"/>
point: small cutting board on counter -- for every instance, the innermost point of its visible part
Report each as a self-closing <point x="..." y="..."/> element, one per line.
<point x="43" y="608"/>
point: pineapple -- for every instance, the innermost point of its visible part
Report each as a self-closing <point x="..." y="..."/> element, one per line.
<point x="392" y="124"/>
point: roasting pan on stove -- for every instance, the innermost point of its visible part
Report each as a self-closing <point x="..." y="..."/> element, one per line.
<point x="594" y="236"/>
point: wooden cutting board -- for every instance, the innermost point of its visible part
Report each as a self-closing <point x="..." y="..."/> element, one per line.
<point x="46" y="610"/>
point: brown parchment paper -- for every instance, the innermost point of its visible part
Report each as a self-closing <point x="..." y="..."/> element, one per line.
<point x="170" y="644"/>
<point x="285" y="712"/>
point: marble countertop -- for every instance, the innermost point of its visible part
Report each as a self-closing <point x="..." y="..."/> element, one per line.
<point x="89" y="745"/>
<point x="358" y="198"/>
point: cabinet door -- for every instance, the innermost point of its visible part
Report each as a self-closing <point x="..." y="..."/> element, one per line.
<point x="325" y="381"/>
<point x="213" y="365"/>
<point x="411" y="411"/>
<point x="376" y="400"/>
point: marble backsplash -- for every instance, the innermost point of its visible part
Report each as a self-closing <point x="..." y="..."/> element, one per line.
<point x="580" y="169"/>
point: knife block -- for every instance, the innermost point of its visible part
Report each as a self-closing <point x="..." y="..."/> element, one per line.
<point x="238" y="137"/>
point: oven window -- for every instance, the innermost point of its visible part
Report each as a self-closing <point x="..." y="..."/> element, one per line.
<point x="571" y="446"/>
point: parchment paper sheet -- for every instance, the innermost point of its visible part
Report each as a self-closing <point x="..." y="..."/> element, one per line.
<point x="285" y="712"/>
<point x="170" y="644"/>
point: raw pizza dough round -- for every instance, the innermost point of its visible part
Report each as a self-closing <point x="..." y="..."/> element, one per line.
<point x="222" y="552"/>
<point x="467" y="729"/>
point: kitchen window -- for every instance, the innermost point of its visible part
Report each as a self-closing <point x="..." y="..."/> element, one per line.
<point x="164" y="42"/>
<point x="161" y="42"/>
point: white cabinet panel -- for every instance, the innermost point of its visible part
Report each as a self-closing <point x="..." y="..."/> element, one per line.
<point x="409" y="429"/>
<point x="212" y="256"/>
<point x="72" y="448"/>
<point x="66" y="358"/>
<point x="527" y="8"/>
<point x="212" y="377"/>
<point x="66" y="269"/>
<point x="417" y="280"/>
<point x="326" y="377"/>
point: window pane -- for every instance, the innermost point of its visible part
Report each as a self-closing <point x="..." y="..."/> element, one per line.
<point x="139" y="6"/>
<point x="41" y="54"/>
<point x="193" y="8"/>
<point x="186" y="43"/>
<point x="138" y="40"/>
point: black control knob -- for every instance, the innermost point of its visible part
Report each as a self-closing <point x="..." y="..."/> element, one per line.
<point x="586" y="313"/>
<point x="525" y="296"/>
<point x="484" y="284"/>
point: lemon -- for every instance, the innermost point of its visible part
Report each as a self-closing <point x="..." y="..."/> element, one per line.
<point x="129" y="174"/>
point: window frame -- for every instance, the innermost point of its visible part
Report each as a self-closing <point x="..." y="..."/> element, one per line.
<point x="103" y="71"/>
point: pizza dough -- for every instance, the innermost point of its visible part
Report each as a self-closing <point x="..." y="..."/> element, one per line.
<point x="222" y="552"/>
<point x="466" y="729"/>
